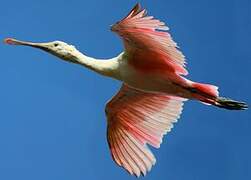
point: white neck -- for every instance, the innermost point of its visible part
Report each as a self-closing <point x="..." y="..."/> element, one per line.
<point x="106" y="67"/>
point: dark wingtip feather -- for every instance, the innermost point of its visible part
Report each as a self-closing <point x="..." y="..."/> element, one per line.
<point x="230" y="104"/>
<point x="135" y="10"/>
<point x="137" y="6"/>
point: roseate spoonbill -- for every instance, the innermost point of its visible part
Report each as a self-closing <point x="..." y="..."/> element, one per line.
<point x="150" y="100"/>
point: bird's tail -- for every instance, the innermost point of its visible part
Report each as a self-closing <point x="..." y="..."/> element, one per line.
<point x="209" y="94"/>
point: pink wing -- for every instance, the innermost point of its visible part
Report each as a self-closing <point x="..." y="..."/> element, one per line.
<point x="135" y="119"/>
<point x="149" y="47"/>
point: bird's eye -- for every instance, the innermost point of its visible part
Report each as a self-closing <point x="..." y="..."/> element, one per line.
<point x="56" y="44"/>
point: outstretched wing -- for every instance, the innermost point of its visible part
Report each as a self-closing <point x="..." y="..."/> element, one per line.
<point x="135" y="119"/>
<point x="149" y="46"/>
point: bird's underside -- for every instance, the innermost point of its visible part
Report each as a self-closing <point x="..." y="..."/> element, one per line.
<point x="154" y="88"/>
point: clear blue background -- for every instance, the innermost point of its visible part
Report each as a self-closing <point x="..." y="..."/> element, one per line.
<point x="52" y="121"/>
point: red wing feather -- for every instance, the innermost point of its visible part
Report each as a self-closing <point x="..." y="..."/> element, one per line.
<point x="135" y="119"/>
<point x="147" y="36"/>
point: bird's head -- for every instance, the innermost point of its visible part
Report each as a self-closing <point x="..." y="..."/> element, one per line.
<point x="57" y="48"/>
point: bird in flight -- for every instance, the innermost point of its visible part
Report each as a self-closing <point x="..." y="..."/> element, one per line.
<point x="152" y="71"/>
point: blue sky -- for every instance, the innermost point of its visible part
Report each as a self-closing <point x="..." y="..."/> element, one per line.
<point x="52" y="121"/>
